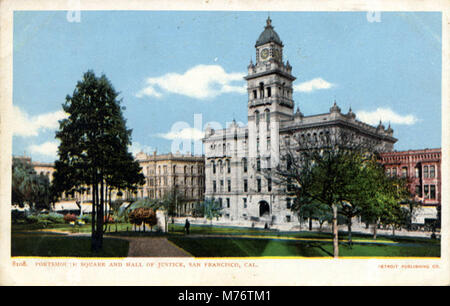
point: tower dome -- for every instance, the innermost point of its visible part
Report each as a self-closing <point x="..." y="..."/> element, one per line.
<point x="268" y="35"/>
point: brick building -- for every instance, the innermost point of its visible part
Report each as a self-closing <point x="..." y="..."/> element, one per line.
<point x="423" y="170"/>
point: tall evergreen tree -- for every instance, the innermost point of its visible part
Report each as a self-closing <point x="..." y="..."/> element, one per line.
<point x="94" y="147"/>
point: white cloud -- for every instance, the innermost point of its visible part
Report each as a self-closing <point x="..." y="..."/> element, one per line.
<point x="185" y="134"/>
<point x="136" y="147"/>
<point x="313" y="85"/>
<point x="25" y="125"/>
<point x="385" y="115"/>
<point x="49" y="148"/>
<point x="200" y="82"/>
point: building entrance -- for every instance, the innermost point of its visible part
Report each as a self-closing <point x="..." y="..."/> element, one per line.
<point x="264" y="209"/>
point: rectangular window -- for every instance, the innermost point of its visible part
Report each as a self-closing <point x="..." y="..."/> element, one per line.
<point x="432" y="171"/>
<point x="245" y="185"/>
<point x="245" y="202"/>
<point x="269" y="92"/>
<point x="269" y="184"/>
<point x="228" y="166"/>
<point x="221" y="185"/>
<point x="288" y="218"/>
<point x="417" y="172"/>
<point x="404" y="172"/>
<point x="288" y="203"/>
<point x="394" y="172"/>
<point x="258" y="164"/>
<point x="426" y="191"/>
<point x="388" y="171"/>
<point x="220" y="203"/>
<point x="229" y="185"/>
<point x="228" y="202"/>
<point x="418" y="190"/>
<point x="214" y="186"/>
<point x="432" y="191"/>
<point x="259" y="184"/>
<point x="425" y="171"/>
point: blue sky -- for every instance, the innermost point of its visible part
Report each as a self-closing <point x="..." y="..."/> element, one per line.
<point x="169" y="66"/>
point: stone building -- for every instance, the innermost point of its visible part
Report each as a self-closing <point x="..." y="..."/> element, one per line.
<point x="164" y="173"/>
<point x="422" y="168"/>
<point x="235" y="155"/>
<point x="180" y="173"/>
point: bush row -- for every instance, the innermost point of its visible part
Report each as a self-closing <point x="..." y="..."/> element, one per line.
<point x="19" y="217"/>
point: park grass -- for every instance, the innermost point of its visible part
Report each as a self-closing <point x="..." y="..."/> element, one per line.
<point x="219" y="241"/>
<point x="57" y="245"/>
<point x="235" y="247"/>
<point x="239" y="247"/>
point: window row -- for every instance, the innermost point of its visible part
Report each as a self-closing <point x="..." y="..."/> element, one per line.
<point x="164" y="169"/>
<point x="428" y="171"/>
<point x="429" y="191"/>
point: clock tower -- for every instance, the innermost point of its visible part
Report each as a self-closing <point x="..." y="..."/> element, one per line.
<point x="269" y="86"/>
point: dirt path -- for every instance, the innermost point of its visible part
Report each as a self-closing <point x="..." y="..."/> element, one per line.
<point x="154" y="247"/>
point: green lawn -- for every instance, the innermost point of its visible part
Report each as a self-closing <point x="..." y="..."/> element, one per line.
<point x="230" y="242"/>
<point x="238" y="247"/>
<point x="53" y="245"/>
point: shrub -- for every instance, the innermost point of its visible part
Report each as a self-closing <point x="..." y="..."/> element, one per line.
<point x="85" y="218"/>
<point x="70" y="218"/>
<point x="108" y="219"/>
<point x="55" y="218"/>
<point x="32" y="219"/>
<point x="18" y="216"/>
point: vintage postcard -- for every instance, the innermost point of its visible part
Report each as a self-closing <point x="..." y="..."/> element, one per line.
<point x="224" y="143"/>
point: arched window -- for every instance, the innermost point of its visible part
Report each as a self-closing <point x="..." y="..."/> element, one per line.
<point x="213" y="166"/>
<point x="261" y="90"/>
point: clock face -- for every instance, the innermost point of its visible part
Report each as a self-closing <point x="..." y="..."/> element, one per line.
<point x="265" y="53"/>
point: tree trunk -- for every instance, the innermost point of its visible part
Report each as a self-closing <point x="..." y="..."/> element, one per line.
<point x="349" y="225"/>
<point x="375" y="227"/>
<point x="93" y="219"/>
<point x="95" y="213"/>
<point x="100" y="215"/>
<point x="335" y="232"/>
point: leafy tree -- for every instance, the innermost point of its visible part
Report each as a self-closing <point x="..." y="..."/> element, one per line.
<point x="381" y="196"/>
<point x="143" y="216"/>
<point x="314" y="211"/>
<point x="29" y="187"/>
<point x="211" y="209"/>
<point x="323" y="170"/>
<point x="348" y="211"/>
<point x="94" y="147"/>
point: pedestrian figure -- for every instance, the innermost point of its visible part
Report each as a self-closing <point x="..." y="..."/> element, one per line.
<point x="186" y="226"/>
